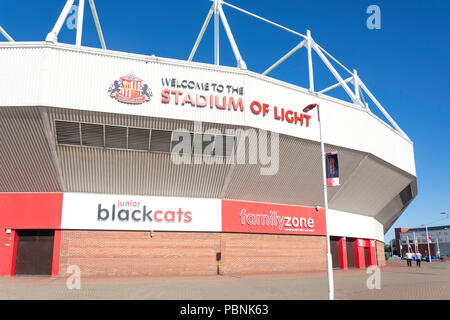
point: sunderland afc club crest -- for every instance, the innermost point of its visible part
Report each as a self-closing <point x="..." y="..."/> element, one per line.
<point x="130" y="89"/>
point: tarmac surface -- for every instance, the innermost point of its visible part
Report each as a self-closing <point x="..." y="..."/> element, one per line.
<point x="397" y="281"/>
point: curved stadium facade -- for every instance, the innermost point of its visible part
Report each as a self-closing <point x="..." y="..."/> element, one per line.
<point x="125" y="164"/>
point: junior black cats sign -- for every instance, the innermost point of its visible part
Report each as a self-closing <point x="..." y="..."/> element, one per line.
<point x="125" y="212"/>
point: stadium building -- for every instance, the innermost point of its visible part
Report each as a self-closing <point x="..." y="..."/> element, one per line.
<point x="95" y="171"/>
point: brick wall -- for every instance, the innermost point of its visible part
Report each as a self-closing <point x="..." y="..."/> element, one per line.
<point x="123" y="253"/>
<point x="380" y="254"/>
<point x="261" y="253"/>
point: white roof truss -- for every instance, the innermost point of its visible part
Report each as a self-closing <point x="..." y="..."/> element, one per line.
<point x="355" y="94"/>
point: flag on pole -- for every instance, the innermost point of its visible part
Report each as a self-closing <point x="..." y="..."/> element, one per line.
<point x="332" y="168"/>
<point x="415" y="242"/>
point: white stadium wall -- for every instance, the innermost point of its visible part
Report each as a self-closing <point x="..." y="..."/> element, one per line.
<point x="354" y="225"/>
<point x="72" y="78"/>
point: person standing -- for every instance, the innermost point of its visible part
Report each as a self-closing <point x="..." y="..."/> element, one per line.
<point x="408" y="259"/>
<point x="418" y="258"/>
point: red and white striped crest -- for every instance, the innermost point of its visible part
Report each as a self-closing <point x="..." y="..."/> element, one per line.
<point x="130" y="89"/>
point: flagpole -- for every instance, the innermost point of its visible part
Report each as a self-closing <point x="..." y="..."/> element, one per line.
<point x="438" y="249"/>
<point x="392" y="252"/>
<point x="415" y="246"/>
<point x="428" y="242"/>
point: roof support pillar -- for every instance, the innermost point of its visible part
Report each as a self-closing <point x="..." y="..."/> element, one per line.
<point x="80" y="22"/>
<point x="202" y="31"/>
<point x="383" y="111"/>
<point x="309" y="43"/>
<point x="53" y="35"/>
<point x="334" y="72"/>
<point x="240" y="62"/>
<point x="287" y="55"/>
<point x="7" y="36"/>
<point x="216" y="32"/>
<point x="97" y="23"/>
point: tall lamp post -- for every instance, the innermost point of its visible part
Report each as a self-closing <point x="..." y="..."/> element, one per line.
<point x="325" y="196"/>
<point x="392" y="251"/>
<point x="415" y="246"/>
<point x="439" y="251"/>
<point x="428" y="241"/>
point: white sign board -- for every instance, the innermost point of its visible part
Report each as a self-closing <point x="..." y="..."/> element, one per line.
<point x="125" y="212"/>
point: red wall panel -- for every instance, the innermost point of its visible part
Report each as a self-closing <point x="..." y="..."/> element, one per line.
<point x="7" y="252"/>
<point x="31" y="210"/>
<point x="343" y="263"/>
<point x="360" y="244"/>
<point x="25" y="211"/>
<point x="253" y="217"/>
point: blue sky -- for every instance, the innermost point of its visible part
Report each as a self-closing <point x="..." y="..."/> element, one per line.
<point x="406" y="64"/>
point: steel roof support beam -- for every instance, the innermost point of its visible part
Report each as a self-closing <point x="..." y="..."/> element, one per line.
<point x="97" y="23"/>
<point x="356" y="84"/>
<point x="7" y="36"/>
<point x="358" y="93"/>
<point x="53" y="35"/>
<point x="383" y="111"/>
<point x="216" y="32"/>
<point x="237" y="55"/>
<point x="287" y="55"/>
<point x="336" y="85"/>
<point x="202" y="31"/>
<point x="80" y="22"/>
<point x="334" y="59"/>
<point x="363" y="100"/>
<point x="335" y="73"/>
<point x="217" y="10"/>
<point x="309" y="43"/>
<point x="355" y="95"/>
<point x="263" y="19"/>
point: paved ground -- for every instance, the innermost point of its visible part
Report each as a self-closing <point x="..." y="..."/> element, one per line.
<point x="432" y="281"/>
